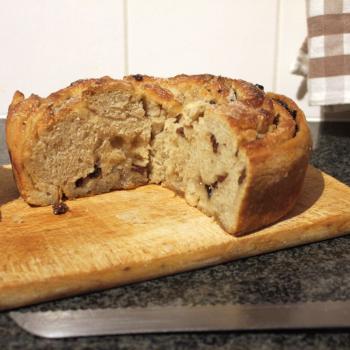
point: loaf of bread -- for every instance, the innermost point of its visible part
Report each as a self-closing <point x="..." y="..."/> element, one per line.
<point x="236" y="153"/>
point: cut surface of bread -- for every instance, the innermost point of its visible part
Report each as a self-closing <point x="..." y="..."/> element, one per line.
<point x="234" y="152"/>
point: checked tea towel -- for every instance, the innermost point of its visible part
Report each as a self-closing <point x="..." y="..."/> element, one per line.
<point x="328" y="52"/>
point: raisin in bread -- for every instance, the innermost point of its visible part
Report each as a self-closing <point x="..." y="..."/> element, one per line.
<point x="236" y="153"/>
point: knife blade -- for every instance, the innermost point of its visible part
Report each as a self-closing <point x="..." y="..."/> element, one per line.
<point x="96" y="322"/>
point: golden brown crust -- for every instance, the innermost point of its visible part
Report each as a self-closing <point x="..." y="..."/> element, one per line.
<point x="272" y="130"/>
<point x="276" y="170"/>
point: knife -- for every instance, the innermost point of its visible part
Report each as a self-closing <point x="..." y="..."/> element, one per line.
<point x="241" y="317"/>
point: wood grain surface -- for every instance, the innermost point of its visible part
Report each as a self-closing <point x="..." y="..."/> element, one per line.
<point x="127" y="236"/>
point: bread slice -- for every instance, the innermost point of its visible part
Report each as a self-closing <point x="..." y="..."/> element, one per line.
<point x="234" y="152"/>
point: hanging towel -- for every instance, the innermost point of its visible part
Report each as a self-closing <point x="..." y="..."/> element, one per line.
<point x="325" y="56"/>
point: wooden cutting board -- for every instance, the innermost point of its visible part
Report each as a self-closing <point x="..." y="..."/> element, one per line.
<point x="128" y="236"/>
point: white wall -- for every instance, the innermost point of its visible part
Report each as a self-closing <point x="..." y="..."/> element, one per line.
<point x="169" y="37"/>
<point x="291" y="34"/>
<point x="46" y="44"/>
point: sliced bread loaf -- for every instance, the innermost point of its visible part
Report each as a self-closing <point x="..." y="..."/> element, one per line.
<point x="231" y="150"/>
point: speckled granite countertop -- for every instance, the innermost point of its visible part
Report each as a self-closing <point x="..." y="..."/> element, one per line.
<point x="319" y="271"/>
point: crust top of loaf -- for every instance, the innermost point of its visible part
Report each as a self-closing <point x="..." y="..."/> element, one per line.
<point x="265" y="120"/>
